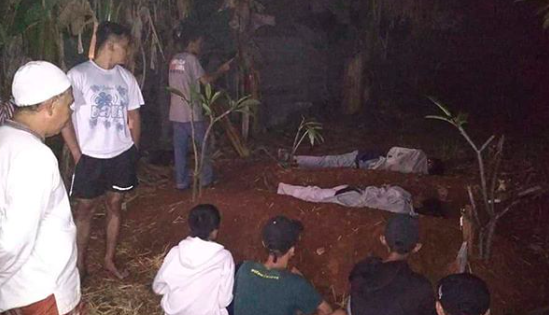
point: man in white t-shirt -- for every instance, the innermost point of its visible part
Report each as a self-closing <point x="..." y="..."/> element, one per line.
<point x="185" y="74"/>
<point x="103" y="137"/>
<point x="38" y="272"/>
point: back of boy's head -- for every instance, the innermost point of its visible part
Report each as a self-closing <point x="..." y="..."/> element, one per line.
<point x="402" y="233"/>
<point x="280" y="234"/>
<point x="203" y="219"/>
<point x="110" y="30"/>
<point x="463" y="294"/>
<point x="185" y="35"/>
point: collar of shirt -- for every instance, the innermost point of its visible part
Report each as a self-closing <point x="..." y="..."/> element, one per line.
<point x="20" y="126"/>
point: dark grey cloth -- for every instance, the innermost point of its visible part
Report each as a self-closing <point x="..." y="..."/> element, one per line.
<point x="389" y="288"/>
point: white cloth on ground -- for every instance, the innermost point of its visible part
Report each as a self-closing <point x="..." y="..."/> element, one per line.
<point x="196" y="278"/>
<point x="37" y="232"/>
<point x="389" y="198"/>
<point x="403" y="160"/>
<point x="398" y="159"/>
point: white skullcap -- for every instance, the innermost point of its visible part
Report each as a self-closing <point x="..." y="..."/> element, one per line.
<point x="38" y="81"/>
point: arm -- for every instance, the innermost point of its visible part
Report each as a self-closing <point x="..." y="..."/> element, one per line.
<point x="160" y="285"/>
<point x="29" y="188"/>
<point x="134" y="122"/>
<point x="227" y="282"/>
<point x="70" y="139"/>
<point x="210" y="78"/>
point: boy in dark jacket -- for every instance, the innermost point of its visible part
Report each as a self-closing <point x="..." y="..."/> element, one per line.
<point x="388" y="286"/>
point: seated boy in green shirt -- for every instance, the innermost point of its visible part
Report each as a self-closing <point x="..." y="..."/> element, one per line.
<point x="269" y="288"/>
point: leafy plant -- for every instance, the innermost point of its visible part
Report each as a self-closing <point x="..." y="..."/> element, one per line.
<point x="308" y="129"/>
<point x="206" y="102"/>
<point x="486" y="229"/>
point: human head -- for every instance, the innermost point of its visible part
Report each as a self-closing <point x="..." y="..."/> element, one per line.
<point x="435" y="166"/>
<point x="192" y="40"/>
<point x="402" y="234"/>
<point x="41" y="90"/>
<point x="204" y="221"/>
<point x="113" y="39"/>
<point x="280" y="235"/>
<point x="462" y="294"/>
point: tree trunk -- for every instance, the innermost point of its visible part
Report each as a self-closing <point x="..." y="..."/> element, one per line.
<point x="353" y="85"/>
<point x="489" y="238"/>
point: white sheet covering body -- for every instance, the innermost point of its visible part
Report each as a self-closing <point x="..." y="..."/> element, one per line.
<point x="398" y="159"/>
<point x="389" y="198"/>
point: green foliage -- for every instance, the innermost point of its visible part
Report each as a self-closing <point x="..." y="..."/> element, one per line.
<point x="206" y="101"/>
<point x="458" y="121"/>
<point x="308" y="129"/>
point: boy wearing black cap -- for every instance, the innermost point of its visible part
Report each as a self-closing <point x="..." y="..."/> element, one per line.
<point x="388" y="286"/>
<point x="463" y="294"/>
<point x="270" y="289"/>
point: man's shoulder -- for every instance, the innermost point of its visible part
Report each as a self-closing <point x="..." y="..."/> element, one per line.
<point x="125" y="73"/>
<point x="80" y="68"/>
<point x="419" y="281"/>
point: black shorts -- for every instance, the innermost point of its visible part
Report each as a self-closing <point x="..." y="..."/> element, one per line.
<point x="93" y="177"/>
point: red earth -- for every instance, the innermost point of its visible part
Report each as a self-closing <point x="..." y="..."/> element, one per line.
<point x="517" y="273"/>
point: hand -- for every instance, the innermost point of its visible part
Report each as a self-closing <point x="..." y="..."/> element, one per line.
<point x="76" y="156"/>
<point x="226" y="66"/>
<point x="296" y="271"/>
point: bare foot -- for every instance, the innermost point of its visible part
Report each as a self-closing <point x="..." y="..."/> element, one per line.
<point x="120" y="274"/>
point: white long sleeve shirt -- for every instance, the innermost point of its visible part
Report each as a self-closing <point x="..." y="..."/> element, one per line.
<point x="196" y="278"/>
<point x="37" y="232"/>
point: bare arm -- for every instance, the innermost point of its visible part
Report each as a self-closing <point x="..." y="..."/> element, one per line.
<point x="134" y="122"/>
<point x="70" y="139"/>
<point x="210" y="78"/>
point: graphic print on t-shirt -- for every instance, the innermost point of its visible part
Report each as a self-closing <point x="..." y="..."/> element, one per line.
<point x="108" y="106"/>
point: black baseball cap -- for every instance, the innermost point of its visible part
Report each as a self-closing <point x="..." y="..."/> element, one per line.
<point x="402" y="233"/>
<point x="281" y="233"/>
<point x="463" y="294"/>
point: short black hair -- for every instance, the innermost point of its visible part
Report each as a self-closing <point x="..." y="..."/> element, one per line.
<point x="280" y="234"/>
<point x="203" y="219"/>
<point x="436" y="167"/>
<point x="188" y="34"/>
<point x="463" y="293"/>
<point x="108" y="30"/>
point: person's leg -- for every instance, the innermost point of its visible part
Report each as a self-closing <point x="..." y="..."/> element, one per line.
<point x="86" y="187"/>
<point x="206" y="174"/>
<point x="308" y="193"/>
<point x="114" y="207"/>
<point x="120" y="178"/>
<point x="327" y="161"/>
<point x="83" y="216"/>
<point x="180" y="144"/>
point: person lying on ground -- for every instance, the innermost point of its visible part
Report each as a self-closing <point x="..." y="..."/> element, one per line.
<point x="387" y="286"/>
<point x="398" y="159"/>
<point x="38" y="273"/>
<point x="197" y="275"/>
<point x="269" y="288"/>
<point x="462" y="294"/>
<point x="389" y="198"/>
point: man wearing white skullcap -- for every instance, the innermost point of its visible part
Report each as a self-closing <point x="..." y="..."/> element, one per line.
<point x="38" y="271"/>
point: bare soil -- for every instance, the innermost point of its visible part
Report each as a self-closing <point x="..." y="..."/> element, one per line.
<point x="517" y="273"/>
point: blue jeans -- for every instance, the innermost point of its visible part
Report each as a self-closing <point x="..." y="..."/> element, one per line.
<point x="182" y="136"/>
